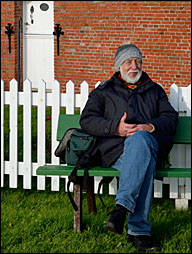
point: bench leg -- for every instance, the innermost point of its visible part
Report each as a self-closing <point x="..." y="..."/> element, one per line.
<point x="78" y="213"/>
<point x="91" y="196"/>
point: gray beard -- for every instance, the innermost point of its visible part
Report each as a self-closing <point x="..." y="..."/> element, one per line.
<point x="130" y="80"/>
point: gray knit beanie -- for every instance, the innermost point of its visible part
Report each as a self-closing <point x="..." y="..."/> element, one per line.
<point x="126" y="51"/>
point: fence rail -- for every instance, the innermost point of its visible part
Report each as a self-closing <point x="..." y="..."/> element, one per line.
<point x="180" y="98"/>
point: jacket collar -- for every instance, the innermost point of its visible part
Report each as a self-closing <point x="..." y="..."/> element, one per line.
<point x="143" y="83"/>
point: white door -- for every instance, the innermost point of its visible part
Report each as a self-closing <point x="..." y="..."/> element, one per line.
<point x="38" y="42"/>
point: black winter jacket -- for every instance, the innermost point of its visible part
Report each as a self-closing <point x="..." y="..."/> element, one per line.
<point x="148" y="103"/>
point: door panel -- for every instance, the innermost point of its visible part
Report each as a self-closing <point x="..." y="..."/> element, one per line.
<point x="38" y="44"/>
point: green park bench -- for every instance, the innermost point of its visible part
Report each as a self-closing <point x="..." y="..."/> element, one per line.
<point x="183" y="136"/>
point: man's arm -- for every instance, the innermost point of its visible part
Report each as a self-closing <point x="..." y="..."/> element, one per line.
<point x="166" y="122"/>
<point x="92" y="118"/>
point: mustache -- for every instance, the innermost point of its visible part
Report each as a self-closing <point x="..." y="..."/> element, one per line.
<point x="133" y="71"/>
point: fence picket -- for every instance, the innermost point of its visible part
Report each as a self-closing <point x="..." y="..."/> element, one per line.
<point x="41" y="131"/>
<point x="55" y="180"/>
<point x="27" y="145"/>
<point x="113" y="187"/>
<point x="174" y="100"/>
<point x="70" y="98"/>
<point x="97" y="84"/>
<point x="185" y="100"/>
<point x="2" y="133"/>
<point x="188" y="188"/>
<point x="158" y="188"/>
<point x="84" y="94"/>
<point x="13" y="144"/>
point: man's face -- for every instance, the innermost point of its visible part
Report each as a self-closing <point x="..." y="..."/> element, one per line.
<point x="131" y="70"/>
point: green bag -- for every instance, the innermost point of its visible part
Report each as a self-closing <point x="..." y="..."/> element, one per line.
<point x="79" y="143"/>
<point x="74" y="144"/>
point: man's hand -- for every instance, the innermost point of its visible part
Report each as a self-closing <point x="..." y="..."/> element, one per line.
<point x="126" y="130"/>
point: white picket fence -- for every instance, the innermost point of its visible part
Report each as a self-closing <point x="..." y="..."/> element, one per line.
<point x="180" y="98"/>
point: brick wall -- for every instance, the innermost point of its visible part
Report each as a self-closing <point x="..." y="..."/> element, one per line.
<point x="94" y="29"/>
<point x="11" y="12"/>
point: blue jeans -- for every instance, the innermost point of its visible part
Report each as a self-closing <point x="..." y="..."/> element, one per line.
<point x="137" y="165"/>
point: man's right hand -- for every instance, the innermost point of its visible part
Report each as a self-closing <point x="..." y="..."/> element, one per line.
<point x="124" y="129"/>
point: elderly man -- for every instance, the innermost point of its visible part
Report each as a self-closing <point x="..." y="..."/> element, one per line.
<point x="134" y="123"/>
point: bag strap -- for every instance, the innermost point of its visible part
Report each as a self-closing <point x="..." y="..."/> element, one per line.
<point x="72" y="176"/>
<point x="103" y="180"/>
<point x="85" y="179"/>
<point x="72" y="179"/>
<point x="82" y="163"/>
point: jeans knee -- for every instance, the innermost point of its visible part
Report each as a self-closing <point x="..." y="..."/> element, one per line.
<point x="142" y="138"/>
<point x="139" y="135"/>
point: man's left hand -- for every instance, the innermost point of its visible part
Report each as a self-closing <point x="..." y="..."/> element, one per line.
<point x="139" y="127"/>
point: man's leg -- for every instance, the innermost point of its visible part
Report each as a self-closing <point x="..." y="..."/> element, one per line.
<point x="137" y="166"/>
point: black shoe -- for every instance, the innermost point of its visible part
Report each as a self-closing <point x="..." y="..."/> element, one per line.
<point x="143" y="243"/>
<point x="116" y="221"/>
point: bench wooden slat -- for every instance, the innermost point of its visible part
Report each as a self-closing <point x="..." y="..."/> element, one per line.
<point x="174" y="172"/>
<point x="65" y="122"/>
<point x="97" y="171"/>
<point x="66" y="171"/>
<point x="183" y="132"/>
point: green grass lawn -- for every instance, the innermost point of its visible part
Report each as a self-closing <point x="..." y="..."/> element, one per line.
<point x="35" y="221"/>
